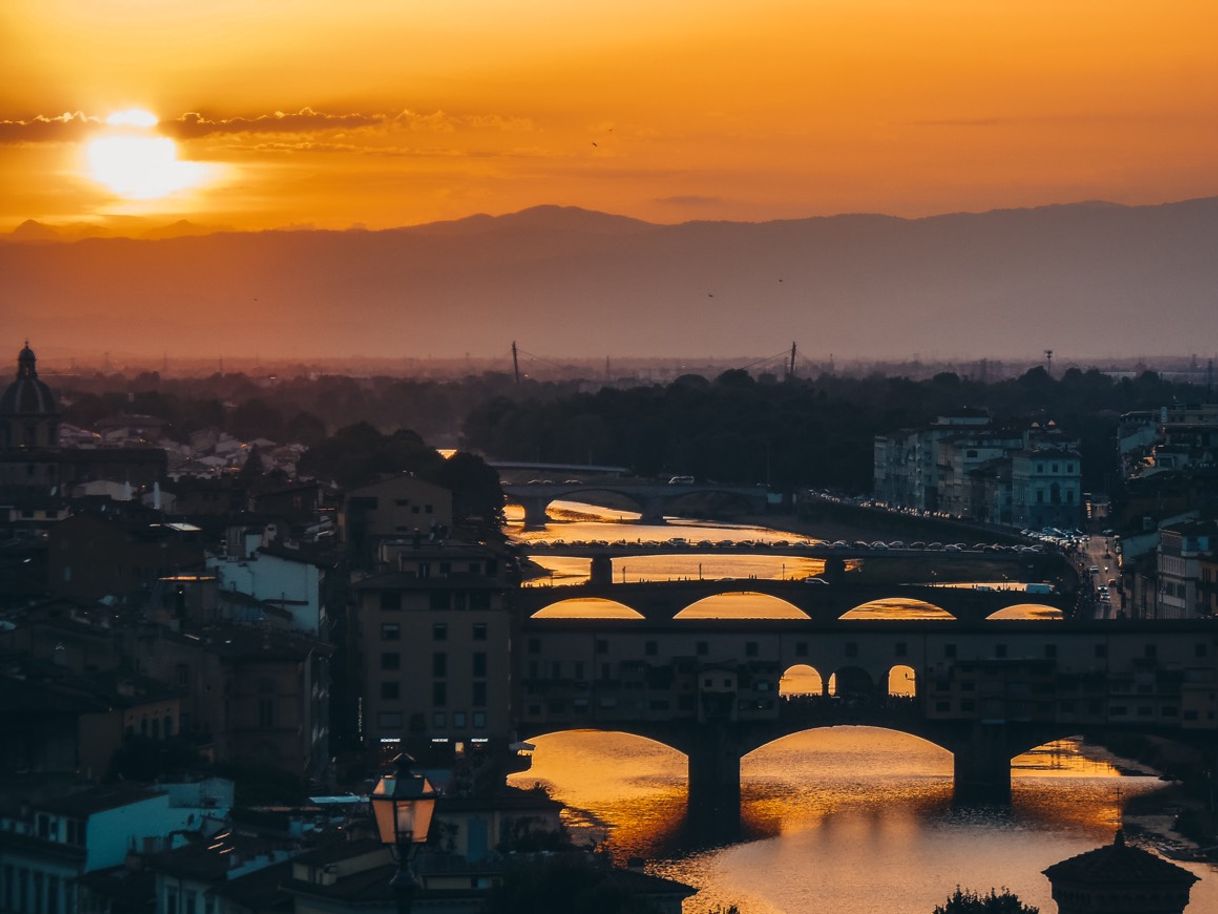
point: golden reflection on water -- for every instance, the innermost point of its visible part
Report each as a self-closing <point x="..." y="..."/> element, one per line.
<point x="896" y="608"/>
<point x="688" y="567"/>
<point x="1035" y="611"/>
<point x="741" y="606"/>
<point x="852" y="820"/>
<point x="587" y="608"/>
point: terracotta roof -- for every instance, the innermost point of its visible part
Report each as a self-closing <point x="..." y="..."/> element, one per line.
<point x="1119" y="863"/>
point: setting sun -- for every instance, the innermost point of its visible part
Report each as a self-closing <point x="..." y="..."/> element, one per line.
<point x="135" y="162"/>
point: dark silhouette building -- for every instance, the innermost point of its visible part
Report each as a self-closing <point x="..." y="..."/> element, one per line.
<point x="29" y="416"/>
<point x="1119" y="879"/>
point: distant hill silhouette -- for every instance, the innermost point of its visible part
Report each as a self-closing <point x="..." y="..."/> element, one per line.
<point x="1088" y="278"/>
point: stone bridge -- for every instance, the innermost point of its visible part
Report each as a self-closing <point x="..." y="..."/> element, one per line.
<point x="984" y="691"/>
<point x="820" y="602"/>
<point x="652" y="499"/>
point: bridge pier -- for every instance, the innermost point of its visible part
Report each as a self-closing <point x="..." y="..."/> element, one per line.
<point x="601" y="572"/>
<point x="714" y="783"/>
<point x="982" y="767"/>
<point x="652" y="512"/>
<point x="535" y="517"/>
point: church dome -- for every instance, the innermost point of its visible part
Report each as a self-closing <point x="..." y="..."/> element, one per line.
<point x="27" y="396"/>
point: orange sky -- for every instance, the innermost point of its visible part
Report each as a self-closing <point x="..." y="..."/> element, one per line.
<point x="403" y="111"/>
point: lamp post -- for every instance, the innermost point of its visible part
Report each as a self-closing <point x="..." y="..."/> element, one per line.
<point x="402" y="806"/>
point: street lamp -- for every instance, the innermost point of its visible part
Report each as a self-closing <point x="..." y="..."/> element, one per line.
<point x="402" y="806"/>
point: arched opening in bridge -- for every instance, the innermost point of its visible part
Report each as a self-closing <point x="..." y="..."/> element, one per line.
<point x="637" y="784"/>
<point x="1027" y="611"/>
<point x="851" y="682"/>
<point x="801" y="680"/>
<point x="587" y="608"/>
<point x="796" y="780"/>
<point x="902" y="682"/>
<point x="897" y="609"/>
<point x="744" y="605"/>
<point x="1069" y="757"/>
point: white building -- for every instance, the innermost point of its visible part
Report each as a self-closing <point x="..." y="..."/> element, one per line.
<point x="46" y="845"/>
<point x="291" y="579"/>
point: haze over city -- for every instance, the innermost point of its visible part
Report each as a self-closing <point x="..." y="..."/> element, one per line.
<point x="624" y="457"/>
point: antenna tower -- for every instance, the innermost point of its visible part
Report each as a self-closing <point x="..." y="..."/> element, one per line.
<point x="515" y="363"/>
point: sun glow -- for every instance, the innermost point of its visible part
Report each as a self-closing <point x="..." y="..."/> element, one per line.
<point x="136" y="163"/>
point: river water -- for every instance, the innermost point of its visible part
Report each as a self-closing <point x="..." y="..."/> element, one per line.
<point x="842" y="820"/>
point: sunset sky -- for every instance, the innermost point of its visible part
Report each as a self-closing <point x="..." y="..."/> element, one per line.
<point x="390" y="112"/>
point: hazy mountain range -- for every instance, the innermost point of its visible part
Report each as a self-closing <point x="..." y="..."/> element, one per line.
<point x="1087" y="278"/>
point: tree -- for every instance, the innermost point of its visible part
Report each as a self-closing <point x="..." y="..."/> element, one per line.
<point x="475" y="487"/>
<point x="253" y="467"/>
<point x="969" y="902"/>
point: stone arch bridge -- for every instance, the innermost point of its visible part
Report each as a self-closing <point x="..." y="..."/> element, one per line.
<point x="652" y="499"/>
<point x="986" y="691"/>
<point x="660" y="601"/>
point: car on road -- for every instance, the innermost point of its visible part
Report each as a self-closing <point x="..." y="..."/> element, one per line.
<point x="681" y="481"/>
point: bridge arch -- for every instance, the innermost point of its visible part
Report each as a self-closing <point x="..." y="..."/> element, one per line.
<point x="741" y="604"/>
<point x="801" y="679"/>
<point x="1026" y="612"/>
<point x="770" y="741"/>
<point x="902" y="681"/>
<point x="896" y="608"/>
<point x="587" y="608"/>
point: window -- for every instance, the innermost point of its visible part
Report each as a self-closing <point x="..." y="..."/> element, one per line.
<point x="458" y="718"/>
<point x="439" y="719"/>
<point x="439" y="664"/>
<point x="479" y="720"/>
<point x="439" y="694"/>
<point x="439" y="631"/>
<point x="479" y="631"/>
<point x="391" y="599"/>
<point x="479" y="695"/>
<point x="391" y="631"/>
<point x="391" y="660"/>
<point x="391" y="691"/>
<point x="439" y="600"/>
<point x="479" y="663"/>
<point x="171" y="900"/>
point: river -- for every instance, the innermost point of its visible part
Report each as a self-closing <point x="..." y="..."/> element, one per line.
<point x="843" y="820"/>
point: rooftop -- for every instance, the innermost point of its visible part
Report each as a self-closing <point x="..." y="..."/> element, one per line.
<point x="1119" y="863"/>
